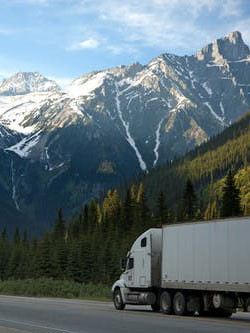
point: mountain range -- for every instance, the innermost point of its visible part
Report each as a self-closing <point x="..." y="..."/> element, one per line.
<point x="61" y="148"/>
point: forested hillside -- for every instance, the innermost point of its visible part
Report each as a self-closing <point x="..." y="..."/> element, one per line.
<point x="209" y="182"/>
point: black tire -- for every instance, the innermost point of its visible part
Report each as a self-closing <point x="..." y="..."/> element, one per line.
<point x="179" y="304"/>
<point x="155" y="307"/>
<point x="117" y="299"/>
<point x="166" y="303"/>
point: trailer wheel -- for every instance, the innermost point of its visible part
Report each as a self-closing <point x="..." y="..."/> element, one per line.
<point x="166" y="303"/>
<point x="179" y="304"/>
<point x="117" y="299"/>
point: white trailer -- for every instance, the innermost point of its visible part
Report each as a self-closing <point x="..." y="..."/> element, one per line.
<point x="190" y="267"/>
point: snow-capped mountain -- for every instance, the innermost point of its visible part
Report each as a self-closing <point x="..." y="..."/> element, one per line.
<point x="109" y="125"/>
<point x="24" y="83"/>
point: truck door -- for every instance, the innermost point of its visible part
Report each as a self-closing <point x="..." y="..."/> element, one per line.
<point x="129" y="273"/>
<point x="138" y="270"/>
<point x="143" y="261"/>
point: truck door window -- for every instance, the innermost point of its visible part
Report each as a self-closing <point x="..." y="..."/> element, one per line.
<point x="130" y="264"/>
<point x="144" y="242"/>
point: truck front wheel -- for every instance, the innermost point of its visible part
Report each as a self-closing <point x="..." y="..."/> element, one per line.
<point x="166" y="303"/>
<point x="179" y="304"/>
<point x="117" y="299"/>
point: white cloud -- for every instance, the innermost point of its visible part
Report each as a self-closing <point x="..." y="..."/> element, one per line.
<point x="90" y="43"/>
<point x="164" y="24"/>
<point x="119" y="26"/>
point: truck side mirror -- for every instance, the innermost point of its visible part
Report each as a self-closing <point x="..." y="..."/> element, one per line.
<point x="122" y="264"/>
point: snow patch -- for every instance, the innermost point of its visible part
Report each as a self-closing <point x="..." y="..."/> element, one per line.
<point x="157" y="142"/>
<point x="129" y="138"/>
<point x="191" y="75"/>
<point x="220" y="119"/>
<point x="208" y="90"/>
<point x="15" y="111"/>
<point x="241" y="60"/>
<point x="222" y="109"/>
<point x="14" y="197"/>
<point x="85" y="86"/>
<point x="130" y="100"/>
<point x="46" y="153"/>
<point x="163" y="84"/>
<point x="111" y="117"/>
<point x="24" y="147"/>
<point x="192" y="78"/>
<point x="77" y="108"/>
<point x="213" y="65"/>
<point x="56" y="167"/>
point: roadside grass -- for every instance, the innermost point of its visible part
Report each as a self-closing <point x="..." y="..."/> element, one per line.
<point x="44" y="287"/>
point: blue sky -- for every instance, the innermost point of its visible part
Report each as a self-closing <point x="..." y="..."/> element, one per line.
<point x="63" y="39"/>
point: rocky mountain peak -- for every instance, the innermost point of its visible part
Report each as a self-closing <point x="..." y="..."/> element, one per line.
<point x="234" y="37"/>
<point x="26" y="82"/>
<point x="229" y="48"/>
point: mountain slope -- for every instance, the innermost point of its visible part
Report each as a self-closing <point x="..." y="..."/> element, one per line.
<point x="62" y="148"/>
<point x="206" y="166"/>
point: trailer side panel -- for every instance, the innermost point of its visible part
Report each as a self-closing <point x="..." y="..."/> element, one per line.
<point x="209" y="255"/>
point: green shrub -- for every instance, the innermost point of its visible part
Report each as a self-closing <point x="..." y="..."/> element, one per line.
<point x="44" y="287"/>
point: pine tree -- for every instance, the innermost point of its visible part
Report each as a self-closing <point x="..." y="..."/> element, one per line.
<point x="162" y="214"/>
<point x="127" y="218"/>
<point x="16" y="237"/>
<point x="59" y="248"/>
<point x="143" y="217"/>
<point x="189" y="200"/>
<point x="73" y="264"/>
<point x="86" y="260"/>
<point x="230" y="205"/>
<point x="59" y="229"/>
<point x="44" y="258"/>
<point x="4" y="254"/>
<point x="60" y="260"/>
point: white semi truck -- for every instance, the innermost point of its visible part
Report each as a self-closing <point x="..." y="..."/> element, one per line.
<point x="187" y="268"/>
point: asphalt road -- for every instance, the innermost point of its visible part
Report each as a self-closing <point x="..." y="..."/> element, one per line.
<point x="23" y="314"/>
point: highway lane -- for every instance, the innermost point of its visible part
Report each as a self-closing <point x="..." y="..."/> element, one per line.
<point x="40" y="315"/>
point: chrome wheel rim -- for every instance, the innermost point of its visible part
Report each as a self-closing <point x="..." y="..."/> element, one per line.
<point x="165" y="304"/>
<point x="178" y="304"/>
<point x="117" y="299"/>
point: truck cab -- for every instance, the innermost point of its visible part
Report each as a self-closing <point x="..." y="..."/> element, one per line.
<point x="142" y="273"/>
